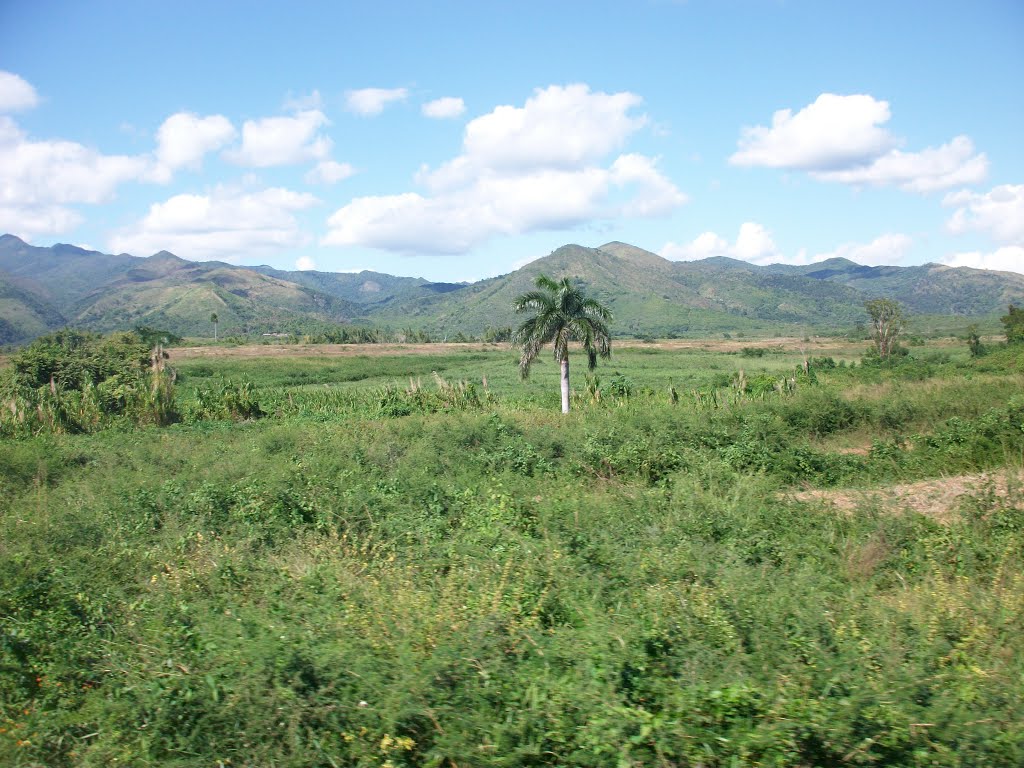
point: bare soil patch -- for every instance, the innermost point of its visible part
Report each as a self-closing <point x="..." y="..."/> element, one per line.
<point x="938" y="498"/>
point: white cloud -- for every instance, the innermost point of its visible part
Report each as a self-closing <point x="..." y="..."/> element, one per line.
<point x="841" y="138"/>
<point x="559" y="126"/>
<point x="887" y="249"/>
<point x="329" y="172"/>
<point x="753" y="243"/>
<point x="371" y="101"/>
<point x="227" y="224"/>
<point x="834" y="131"/>
<point x="27" y="221"/>
<point x="657" y="195"/>
<point x="184" y="139"/>
<point x="448" y="106"/>
<point x="998" y="213"/>
<point x="704" y="246"/>
<point x="16" y="93"/>
<point x="45" y="172"/>
<point x="289" y="140"/>
<point x="304" y="264"/>
<point x="522" y="169"/>
<point x="1009" y="258"/>
<point x="929" y="170"/>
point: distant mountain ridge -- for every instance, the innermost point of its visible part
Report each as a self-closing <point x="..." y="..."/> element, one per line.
<point x="46" y="288"/>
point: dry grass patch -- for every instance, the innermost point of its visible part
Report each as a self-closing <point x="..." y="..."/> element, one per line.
<point x="938" y="498"/>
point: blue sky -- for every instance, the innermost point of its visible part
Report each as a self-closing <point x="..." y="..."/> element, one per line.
<point x="460" y="140"/>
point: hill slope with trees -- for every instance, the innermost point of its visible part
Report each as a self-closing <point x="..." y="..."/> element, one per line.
<point x="43" y="289"/>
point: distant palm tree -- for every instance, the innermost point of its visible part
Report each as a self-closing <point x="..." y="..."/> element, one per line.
<point x="213" y="319"/>
<point x="563" y="314"/>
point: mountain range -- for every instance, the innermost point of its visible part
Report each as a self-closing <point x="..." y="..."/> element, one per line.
<point x="42" y="289"/>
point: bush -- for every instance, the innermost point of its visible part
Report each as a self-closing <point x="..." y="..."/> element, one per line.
<point x="72" y="381"/>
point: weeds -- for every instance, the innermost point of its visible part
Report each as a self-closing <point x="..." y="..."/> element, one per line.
<point x="375" y="572"/>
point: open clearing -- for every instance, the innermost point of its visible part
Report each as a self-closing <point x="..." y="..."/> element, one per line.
<point x="940" y="498"/>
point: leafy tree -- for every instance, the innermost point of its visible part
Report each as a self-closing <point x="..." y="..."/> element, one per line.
<point x="974" y="341"/>
<point x="887" y="322"/>
<point x="1013" y="322"/>
<point x="562" y="315"/>
<point x="213" y="319"/>
<point x="153" y="336"/>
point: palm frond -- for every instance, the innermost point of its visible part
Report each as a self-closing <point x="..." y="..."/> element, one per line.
<point x="562" y="315"/>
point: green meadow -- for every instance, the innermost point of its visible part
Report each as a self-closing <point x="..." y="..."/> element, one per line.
<point x="388" y="556"/>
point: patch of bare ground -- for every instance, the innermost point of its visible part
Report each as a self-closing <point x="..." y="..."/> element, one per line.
<point x="939" y="498"/>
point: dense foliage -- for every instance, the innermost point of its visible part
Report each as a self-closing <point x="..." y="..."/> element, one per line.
<point x="1013" y="323"/>
<point x="382" y="573"/>
<point x="75" y="381"/>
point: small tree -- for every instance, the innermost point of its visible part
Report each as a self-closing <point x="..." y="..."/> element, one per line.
<point x="1013" y="322"/>
<point x="562" y="314"/>
<point x="887" y="321"/>
<point x="213" y="319"/>
<point x="974" y="341"/>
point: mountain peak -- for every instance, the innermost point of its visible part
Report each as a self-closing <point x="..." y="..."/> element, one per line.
<point x="166" y="256"/>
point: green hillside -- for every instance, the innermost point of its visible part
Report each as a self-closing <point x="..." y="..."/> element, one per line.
<point x="24" y="314"/>
<point x="168" y="292"/>
<point x="650" y="295"/>
<point x="928" y="289"/>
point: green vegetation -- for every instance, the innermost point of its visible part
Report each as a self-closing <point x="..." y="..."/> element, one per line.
<point x="1013" y="322"/>
<point x="74" y="381"/>
<point x="45" y="288"/>
<point x="411" y="560"/>
<point x="562" y="315"/>
<point x="887" y="322"/>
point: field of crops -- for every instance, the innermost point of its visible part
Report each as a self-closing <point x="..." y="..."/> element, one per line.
<point x="406" y="556"/>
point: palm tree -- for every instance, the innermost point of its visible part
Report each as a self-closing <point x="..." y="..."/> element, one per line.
<point x="563" y="314"/>
<point x="213" y="319"/>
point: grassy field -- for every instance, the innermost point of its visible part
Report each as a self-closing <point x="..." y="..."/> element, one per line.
<point x="368" y="556"/>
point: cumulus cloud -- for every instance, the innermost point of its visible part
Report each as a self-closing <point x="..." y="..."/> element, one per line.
<point x="929" y="170"/>
<point x="753" y="243"/>
<point x="304" y="264"/>
<point x="372" y="101"/>
<point x="448" y="106"/>
<point x="887" y="249"/>
<point x="329" y="172"/>
<point x="284" y="140"/>
<point x="834" y="131"/>
<point x="998" y="213"/>
<point x="184" y="139"/>
<point x="842" y="138"/>
<point x="1009" y="258"/>
<point x="16" y="93"/>
<point x="559" y="126"/>
<point x="27" y="221"/>
<point x="227" y="224"/>
<point x="522" y="169"/>
<point x="39" y="179"/>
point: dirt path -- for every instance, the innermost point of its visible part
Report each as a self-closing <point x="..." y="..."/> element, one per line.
<point x="939" y="498"/>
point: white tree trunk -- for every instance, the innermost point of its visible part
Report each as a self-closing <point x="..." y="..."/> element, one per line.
<point x="565" y="384"/>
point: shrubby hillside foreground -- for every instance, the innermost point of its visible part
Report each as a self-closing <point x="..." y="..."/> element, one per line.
<point x="407" y="557"/>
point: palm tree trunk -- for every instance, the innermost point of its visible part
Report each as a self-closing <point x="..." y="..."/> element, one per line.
<point x="565" y="384"/>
